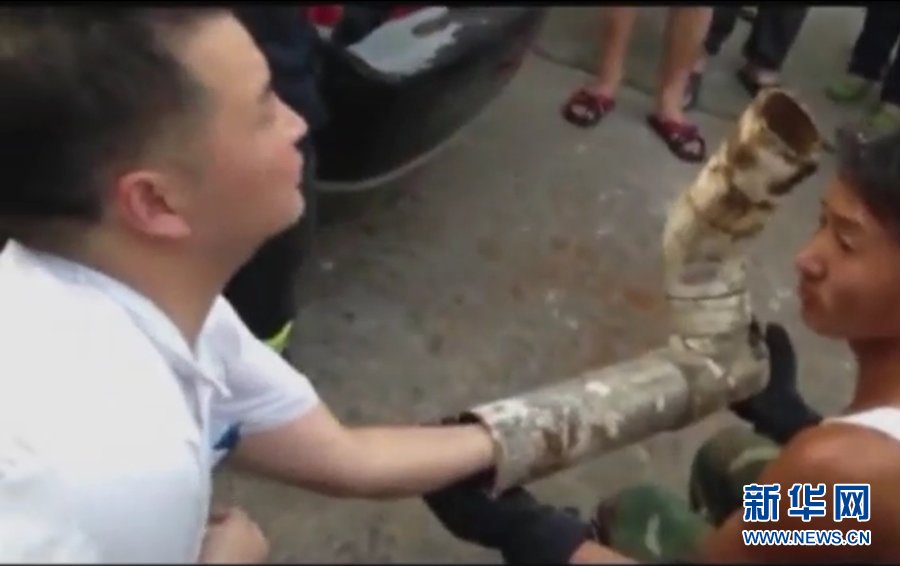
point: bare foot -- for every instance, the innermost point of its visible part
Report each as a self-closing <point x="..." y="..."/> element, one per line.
<point x="606" y="89"/>
<point x="670" y="105"/>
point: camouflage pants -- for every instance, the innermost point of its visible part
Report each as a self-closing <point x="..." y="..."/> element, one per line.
<point x="652" y="524"/>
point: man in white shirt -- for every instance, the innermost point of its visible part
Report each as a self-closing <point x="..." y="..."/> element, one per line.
<point x="145" y="159"/>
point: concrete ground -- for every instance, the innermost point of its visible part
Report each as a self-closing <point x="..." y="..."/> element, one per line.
<point x="524" y="254"/>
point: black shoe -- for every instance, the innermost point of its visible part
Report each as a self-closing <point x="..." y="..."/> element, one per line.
<point x="692" y="91"/>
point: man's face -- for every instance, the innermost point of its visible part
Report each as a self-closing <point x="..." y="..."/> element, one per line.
<point x="849" y="272"/>
<point x="252" y="169"/>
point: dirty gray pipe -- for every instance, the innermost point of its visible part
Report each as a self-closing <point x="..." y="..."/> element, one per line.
<point x="713" y="357"/>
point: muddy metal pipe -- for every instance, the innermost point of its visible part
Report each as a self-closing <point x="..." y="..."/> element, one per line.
<point x="713" y="357"/>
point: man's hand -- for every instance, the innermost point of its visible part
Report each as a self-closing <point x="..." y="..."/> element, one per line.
<point x="233" y="538"/>
<point x="522" y="529"/>
<point x="778" y="411"/>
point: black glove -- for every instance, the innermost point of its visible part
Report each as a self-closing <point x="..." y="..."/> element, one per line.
<point x="515" y="523"/>
<point x="778" y="411"/>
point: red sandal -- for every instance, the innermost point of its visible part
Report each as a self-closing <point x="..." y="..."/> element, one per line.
<point x="684" y="140"/>
<point x="585" y="108"/>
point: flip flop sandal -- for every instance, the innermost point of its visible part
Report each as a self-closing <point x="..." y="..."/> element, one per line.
<point x="585" y="108"/>
<point x="750" y="82"/>
<point x="692" y="92"/>
<point x="684" y="140"/>
<point x="882" y="122"/>
<point x="849" y="89"/>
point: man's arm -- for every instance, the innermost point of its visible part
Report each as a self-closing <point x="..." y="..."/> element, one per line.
<point x="827" y="455"/>
<point x="317" y="452"/>
<point x="285" y="431"/>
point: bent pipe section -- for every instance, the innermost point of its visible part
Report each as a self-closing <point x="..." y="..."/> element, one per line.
<point x="714" y="357"/>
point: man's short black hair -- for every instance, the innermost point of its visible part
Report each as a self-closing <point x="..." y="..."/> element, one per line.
<point x="82" y="92"/>
<point x="871" y="166"/>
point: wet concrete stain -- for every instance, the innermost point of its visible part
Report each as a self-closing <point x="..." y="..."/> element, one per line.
<point x="643" y="299"/>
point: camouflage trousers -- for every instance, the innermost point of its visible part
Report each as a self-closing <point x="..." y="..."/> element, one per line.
<point x="652" y="524"/>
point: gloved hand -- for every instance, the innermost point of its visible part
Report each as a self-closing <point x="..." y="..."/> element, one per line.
<point x="778" y="411"/>
<point x="515" y="523"/>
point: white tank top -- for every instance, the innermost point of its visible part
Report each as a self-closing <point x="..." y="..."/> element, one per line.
<point x="885" y="420"/>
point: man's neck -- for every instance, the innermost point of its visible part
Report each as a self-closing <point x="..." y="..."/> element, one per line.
<point x="878" y="379"/>
<point x="182" y="286"/>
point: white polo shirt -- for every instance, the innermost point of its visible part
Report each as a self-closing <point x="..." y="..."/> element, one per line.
<point x="108" y="422"/>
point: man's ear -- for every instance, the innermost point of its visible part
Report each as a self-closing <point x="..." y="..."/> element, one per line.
<point x="151" y="204"/>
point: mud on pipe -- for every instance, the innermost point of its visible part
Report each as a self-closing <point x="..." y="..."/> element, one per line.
<point x="713" y="357"/>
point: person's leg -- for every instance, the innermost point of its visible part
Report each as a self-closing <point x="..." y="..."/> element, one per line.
<point x="723" y="465"/>
<point x="590" y="103"/>
<point x="724" y="18"/>
<point x="685" y="30"/>
<point x="875" y="42"/>
<point x="870" y="55"/>
<point x="722" y="25"/>
<point x="886" y="118"/>
<point x="652" y="524"/>
<point x="263" y="291"/>
<point x="890" y="87"/>
<point x="618" y="22"/>
<point x="771" y="37"/>
<point x="649" y="524"/>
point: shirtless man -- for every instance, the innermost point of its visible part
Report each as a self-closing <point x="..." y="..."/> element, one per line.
<point x="849" y="288"/>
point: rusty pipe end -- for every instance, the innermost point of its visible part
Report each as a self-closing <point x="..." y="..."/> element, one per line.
<point x="774" y="147"/>
<point x="790" y="122"/>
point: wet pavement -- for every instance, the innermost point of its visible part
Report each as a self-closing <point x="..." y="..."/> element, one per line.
<point x="526" y="253"/>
